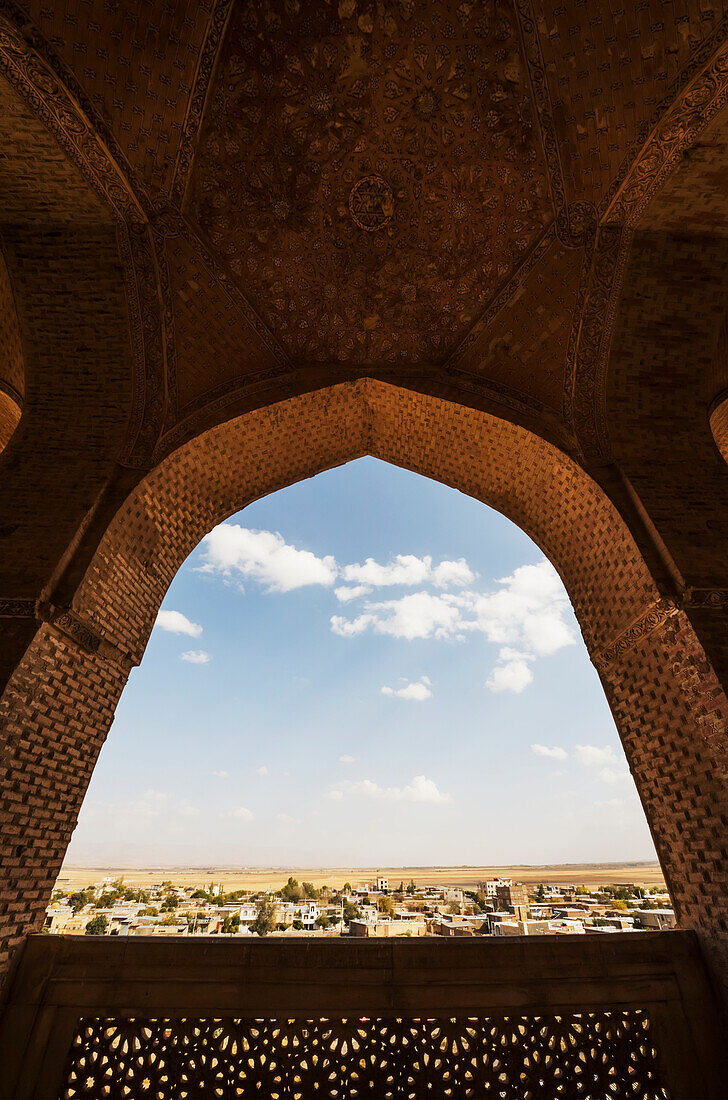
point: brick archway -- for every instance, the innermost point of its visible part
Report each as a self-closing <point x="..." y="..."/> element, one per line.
<point x="669" y="708"/>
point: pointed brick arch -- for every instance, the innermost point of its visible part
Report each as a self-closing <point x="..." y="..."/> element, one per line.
<point x="669" y="708"/>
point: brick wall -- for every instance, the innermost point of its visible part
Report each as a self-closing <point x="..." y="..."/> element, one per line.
<point x="669" y="707"/>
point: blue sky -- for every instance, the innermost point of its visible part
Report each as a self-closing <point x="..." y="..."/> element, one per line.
<point x="364" y="668"/>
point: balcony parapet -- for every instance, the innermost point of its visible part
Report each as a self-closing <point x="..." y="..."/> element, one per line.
<point x="618" y="1015"/>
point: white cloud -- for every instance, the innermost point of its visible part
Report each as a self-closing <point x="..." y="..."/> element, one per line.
<point x="420" y="615"/>
<point x="511" y="673"/>
<point x="408" y="569"/>
<point x="593" y="756"/>
<point x="616" y="777"/>
<point x="613" y="769"/>
<point x="285" y="819"/>
<point x="221" y="775"/>
<point x="556" y="753"/>
<point x="525" y="616"/>
<point x="452" y="574"/>
<point x="176" y="623"/>
<point x="262" y="770"/>
<point x="420" y="789"/>
<point x="241" y="813"/>
<point x="265" y="557"/>
<point x="353" y="592"/>
<point x="416" y="690"/>
<point x="346" y="759"/>
<point x="196" y="657"/>
<point x="527" y="611"/>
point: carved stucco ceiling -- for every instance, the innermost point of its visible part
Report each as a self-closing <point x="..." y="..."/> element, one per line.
<point x="312" y="98"/>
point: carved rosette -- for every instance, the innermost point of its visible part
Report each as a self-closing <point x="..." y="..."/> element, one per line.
<point x="576" y="224"/>
<point x="710" y="599"/>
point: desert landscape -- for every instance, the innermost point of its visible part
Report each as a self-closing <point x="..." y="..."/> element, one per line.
<point x="272" y="878"/>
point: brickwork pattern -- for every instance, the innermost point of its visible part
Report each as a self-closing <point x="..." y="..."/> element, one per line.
<point x="61" y="691"/>
<point x="523" y="346"/>
<point x="662" y="379"/>
<point x="227" y="467"/>
<point x="210" y="318"/>
<point x="54" y="717"/>
<point x="609" y="69"/>
<point x="74" y="325"/>
<point x="40" y="184"/>
<point x="672" y="715"/>
<point x="669" y="707"/>
<point x="136" y="63"/>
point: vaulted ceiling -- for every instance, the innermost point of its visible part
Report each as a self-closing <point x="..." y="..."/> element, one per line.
<point x="209" y="205"/>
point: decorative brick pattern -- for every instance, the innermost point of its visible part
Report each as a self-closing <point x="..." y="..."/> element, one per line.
<point x="610" y="68"/>
<point x="668" y="704"/>
<point x="54" y="717"/>
<point x="136" y="63"/>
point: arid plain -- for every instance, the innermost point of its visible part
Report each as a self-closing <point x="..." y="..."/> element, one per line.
<point x="272" y="878"/>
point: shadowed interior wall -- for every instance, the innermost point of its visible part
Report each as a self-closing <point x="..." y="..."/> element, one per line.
<point x="12" y="371"/>
<point x="669" y="707"/>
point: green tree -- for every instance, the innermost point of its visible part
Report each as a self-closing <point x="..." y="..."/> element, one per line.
<point x="293" y="891"/>
<point x="351" y="911"/>
<point x="385" y="905"/>
<point x="540" y="893"/>
<point x="231" y="923"/>
<point x="347" y="887"/>
<point x="80" y="898"/>
<point x="265" y="917"/>
<point x="411" y="889"/>
<point x="619" y="903"/>
<point x="97" y="926"/>
<point x="298" y="925"/>
<point x="150" y="911"/>
<point x="170" y="902"/>
<point x="310" y="890"/>
<point x="322" y="921"/>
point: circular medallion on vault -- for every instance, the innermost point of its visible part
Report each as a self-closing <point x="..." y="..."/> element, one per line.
<point x="371" y="203"/>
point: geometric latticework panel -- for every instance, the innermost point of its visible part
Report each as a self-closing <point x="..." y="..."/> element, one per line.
<point x="593" y="1056"/>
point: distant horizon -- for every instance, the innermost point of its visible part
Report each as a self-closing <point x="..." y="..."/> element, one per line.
<point x="287" y="867"/>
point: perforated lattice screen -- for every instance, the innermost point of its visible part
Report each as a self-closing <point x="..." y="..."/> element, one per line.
<point x="593" y="1056"/>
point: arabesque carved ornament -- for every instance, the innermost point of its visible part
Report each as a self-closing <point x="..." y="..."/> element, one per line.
<point x="653" y="618"/>
<point x="309" y="100"/>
